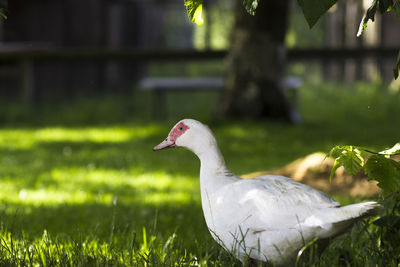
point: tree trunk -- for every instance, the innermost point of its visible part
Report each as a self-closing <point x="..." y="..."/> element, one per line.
<point x="256" y="64"/>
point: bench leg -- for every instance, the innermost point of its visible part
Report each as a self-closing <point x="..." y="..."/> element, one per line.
<point x="159" y="105"/>
<point x="27" y="81"/>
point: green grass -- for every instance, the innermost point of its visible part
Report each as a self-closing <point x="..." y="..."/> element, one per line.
<point x="81" y="186"/>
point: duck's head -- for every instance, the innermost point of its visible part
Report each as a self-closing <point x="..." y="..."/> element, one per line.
<point x="190" y="134"/>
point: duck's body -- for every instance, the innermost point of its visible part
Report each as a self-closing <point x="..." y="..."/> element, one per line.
<point x="269" y="218"/>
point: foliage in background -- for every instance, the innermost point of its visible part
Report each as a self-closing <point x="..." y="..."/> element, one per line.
<point x="363" y="103"/>
<point x="251" y="6"/>
<point x="379" y="166"/>
<point x="195" y="10"/>
<point x="314" y="9"/>
<point x="300" y="35"/>
<point x="217" y="27"/>
<point x="381" y="5"/>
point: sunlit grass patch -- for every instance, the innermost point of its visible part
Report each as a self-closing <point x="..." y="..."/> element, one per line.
<point x="80" y="185"/>
<point x="26" y="138"/>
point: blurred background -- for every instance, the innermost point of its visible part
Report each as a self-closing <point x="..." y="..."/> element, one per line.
<point x="61" y="51"/>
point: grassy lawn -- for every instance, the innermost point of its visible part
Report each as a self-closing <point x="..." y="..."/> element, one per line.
<point x="81" y="186"/>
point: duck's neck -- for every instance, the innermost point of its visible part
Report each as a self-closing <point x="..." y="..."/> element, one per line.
<point x="213" y="170"/>
<point x="212" y="160"/>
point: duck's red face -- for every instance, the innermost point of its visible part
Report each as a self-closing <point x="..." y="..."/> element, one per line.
<point x="177" y="131"/>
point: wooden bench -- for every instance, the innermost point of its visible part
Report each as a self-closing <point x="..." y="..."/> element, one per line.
<point x="160" y="86"/>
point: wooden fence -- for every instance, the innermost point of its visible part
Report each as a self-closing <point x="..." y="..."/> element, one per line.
<point x="25" y="57"/>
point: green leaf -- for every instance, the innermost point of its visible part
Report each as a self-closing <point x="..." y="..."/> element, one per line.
<point x="384" y="170"/>
<point x="381" y="5"/>
<point x="369" y="15"/>
<point x="337" y="151"/>
<point x="195" y="11"/>
<point x="347" y="156"/>
<point x="351" y="160"/>
<point x="395" y="150"/>
<point x="314" y="9"/>
<point x="336" y="165"/>
<point x="385" y="5"/>
<point x="251" y="6"/>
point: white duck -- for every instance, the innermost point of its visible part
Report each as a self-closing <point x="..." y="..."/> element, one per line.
<point x="269" y="218"/>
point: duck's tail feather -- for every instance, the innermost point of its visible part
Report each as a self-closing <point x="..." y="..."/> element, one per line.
<point x="362" y="210"/>
<point x="346" y="216"/>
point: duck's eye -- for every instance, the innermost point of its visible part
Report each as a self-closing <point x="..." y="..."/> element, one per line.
<point x="180" y="128"/>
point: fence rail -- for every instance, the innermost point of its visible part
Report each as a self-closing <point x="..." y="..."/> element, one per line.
<point x="94" y="54"/>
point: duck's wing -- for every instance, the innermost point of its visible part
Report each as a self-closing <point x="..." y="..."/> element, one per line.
<point x="271" y="202"/>
<point x="287" y="192"/>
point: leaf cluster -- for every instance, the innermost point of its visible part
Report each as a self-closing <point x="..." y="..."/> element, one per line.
<point x="195" y="11"/>
<point x="251" y="6"/>
<point x="378" y="166"/>
<point x="382" y="6"/>
<point x="314" y="9"/>
<point x="381" y="167"/>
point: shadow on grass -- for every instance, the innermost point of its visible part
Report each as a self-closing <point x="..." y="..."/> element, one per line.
<point x="103" y="233"/>
<point x="102" y="219"/>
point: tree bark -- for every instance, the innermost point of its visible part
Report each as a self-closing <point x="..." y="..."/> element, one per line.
<point x="256" y="64"/>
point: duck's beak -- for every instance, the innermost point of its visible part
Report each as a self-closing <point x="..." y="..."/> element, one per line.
<point x="165" y="144"/>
